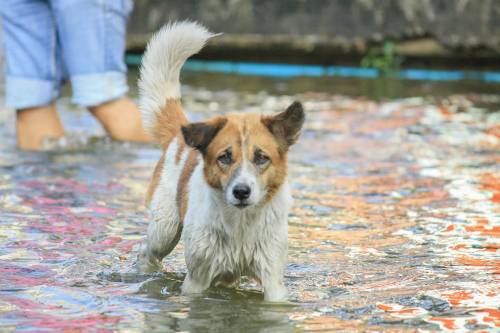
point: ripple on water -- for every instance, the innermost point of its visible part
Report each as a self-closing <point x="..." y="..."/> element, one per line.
<point x="394" y="228"/>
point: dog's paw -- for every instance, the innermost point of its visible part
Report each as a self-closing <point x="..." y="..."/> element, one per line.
<point x="276" y="294"/>
<point x="191" y="287"/>
<point x="146" y="266"/>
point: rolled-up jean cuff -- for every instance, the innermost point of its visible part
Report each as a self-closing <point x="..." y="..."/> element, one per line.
<point x="22" y="92"/>
<point x="95" y="89"/>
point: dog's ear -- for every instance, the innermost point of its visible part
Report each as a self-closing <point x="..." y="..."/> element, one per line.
<point x="199" y="135"/>
<point x="286" y="125"/>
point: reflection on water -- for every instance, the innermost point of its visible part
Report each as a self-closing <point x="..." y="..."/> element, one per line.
<point x="395" y="225"/>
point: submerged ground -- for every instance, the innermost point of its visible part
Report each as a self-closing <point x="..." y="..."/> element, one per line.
<point x="395" y="225"/>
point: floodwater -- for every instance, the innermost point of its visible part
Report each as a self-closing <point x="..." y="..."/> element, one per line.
<point x="395" y="225"/>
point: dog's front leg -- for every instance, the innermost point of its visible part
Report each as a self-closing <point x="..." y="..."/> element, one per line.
<point x="270" y="270"/>
<point x="274" y="288"/>
<point x="194" y="285"/>
<point x="200" y="274"/>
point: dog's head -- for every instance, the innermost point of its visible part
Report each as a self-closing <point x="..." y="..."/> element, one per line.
<point x="245" y="156"/>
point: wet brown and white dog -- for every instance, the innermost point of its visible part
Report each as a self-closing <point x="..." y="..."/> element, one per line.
<point x="221" y="183"/>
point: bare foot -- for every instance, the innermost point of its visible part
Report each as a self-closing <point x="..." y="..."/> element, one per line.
<point x="34" y="125"/>
<point x="121" y="119"/>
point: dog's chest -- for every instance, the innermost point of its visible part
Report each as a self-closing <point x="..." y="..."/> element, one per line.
<point x="236" y="244"/>
<point x="232" y="244"/>
<point x="239" y="247"/>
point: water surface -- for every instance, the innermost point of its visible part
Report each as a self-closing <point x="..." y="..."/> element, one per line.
<point x="395" y="225"/>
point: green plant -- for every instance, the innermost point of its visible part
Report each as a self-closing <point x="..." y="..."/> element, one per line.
<point x="386" y="62"/>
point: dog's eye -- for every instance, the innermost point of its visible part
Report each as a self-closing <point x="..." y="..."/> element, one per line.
<point x="260" y="158"/>
<point x="225" y="158"/>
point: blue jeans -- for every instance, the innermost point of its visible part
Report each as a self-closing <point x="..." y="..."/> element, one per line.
<point x="48" y="41"/>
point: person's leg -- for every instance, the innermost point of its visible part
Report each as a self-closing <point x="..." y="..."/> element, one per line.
<point x="34" y="125"/>
<point x="33" y="73"/>
<point x="121" y="119"/>
<point x="92" y="35"/>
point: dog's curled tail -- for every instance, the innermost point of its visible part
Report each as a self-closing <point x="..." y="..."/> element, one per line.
<point x="167" y="51"/>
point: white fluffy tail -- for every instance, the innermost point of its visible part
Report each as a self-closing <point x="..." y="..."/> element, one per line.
<point x="165" y="54"/>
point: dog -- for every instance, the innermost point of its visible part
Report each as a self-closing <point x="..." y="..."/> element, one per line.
<point x="220" y="184"/>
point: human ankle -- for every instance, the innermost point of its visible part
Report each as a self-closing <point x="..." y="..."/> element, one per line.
<point x="34" y="125"/>
<point x="121" y="119"/>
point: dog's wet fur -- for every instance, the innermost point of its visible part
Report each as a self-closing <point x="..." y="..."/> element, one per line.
<point x="220" y="184"/>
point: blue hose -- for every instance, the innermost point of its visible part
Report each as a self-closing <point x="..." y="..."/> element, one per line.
<point x="285" y="71"/>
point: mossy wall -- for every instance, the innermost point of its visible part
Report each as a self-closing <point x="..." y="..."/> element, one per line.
<point x="449" y="28"/>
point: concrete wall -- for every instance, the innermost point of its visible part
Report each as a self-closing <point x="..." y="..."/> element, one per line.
<point x="327" y="30"/>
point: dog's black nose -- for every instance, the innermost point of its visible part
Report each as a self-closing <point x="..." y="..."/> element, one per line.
<point x="241" y="191"/>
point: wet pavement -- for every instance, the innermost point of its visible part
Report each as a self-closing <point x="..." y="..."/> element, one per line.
<point x="395" y="226"/>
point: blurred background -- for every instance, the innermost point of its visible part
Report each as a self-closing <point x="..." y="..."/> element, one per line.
<point x="396" y="177"/>
<point x="437" y="34"/>
<point x="404" y="48"/>
<point x="436" y="41"/>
